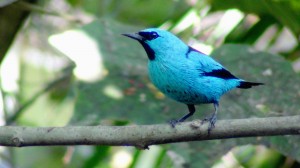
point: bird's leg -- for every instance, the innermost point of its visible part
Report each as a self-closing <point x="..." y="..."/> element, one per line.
<point x="212" y="119"/>
<point x="192" y="110"/>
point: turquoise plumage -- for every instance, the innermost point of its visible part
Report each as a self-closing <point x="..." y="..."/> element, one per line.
<point x="185" y="74"/>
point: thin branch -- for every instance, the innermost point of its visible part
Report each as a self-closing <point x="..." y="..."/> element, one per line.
<point x="144" y="135"/>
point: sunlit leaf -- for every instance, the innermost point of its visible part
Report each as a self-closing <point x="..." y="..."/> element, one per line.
<point x="286" y="12"/>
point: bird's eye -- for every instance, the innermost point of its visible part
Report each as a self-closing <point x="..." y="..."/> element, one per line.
<point x="149" y="35"/>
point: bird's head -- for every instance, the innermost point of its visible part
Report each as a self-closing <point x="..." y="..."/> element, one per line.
<point x="158" y="43"/>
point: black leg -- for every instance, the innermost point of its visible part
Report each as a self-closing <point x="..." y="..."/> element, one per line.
<point x="192" y="110"/>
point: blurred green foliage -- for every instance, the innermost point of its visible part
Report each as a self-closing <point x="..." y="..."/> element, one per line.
<point x="285" y="13"/>
<point x="12" y="15"/>
<point x="155" y="13"/>
<point x="58" y="35"/>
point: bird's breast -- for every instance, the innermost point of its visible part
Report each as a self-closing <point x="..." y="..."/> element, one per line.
<point x="169" y="76"/>
<point x="177" y="81"/>
<point x="183" y="82"/>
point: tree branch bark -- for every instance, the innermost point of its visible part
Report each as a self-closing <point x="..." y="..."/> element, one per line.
<point x="144" y="135"/>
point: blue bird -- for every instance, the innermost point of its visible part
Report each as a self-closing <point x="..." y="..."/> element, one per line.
<point x="184" y="73"/>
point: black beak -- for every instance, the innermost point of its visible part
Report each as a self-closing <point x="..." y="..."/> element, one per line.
<point x="135" y="36"/>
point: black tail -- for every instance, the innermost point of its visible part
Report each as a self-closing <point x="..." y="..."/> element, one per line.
<point x="247" y="85"/>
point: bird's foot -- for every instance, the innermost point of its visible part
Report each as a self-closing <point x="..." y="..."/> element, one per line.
<point x="212" y="120"/>
<point x="173" y="123"/>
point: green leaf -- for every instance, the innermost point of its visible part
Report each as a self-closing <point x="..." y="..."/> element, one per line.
<point x="279" y="96"/>
<point x="99" y="155"/>
<point x="258" y="156"/>
<point x="276" y="98"/>
<point x="241" y="34"/>
<point x="12" y="16"/>
<point x="124" y="92"/>
<point x="286" y="12"/>
<point x="47" y="156"/>
<point x="134" y="11"/>
<point x="4" y="3"/>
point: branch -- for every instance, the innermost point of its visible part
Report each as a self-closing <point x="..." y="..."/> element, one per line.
<point x="144" y="135"/>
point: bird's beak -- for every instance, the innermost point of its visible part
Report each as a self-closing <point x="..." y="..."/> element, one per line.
<point x="135" y="36"/>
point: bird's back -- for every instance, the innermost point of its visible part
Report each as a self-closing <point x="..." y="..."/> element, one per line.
<point x="189" y="77"/>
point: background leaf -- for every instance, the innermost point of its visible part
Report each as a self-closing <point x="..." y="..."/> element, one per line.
<point x="134" y="11"/>
<point x="276" y="9"/>
<point x="126" y="64"/>
<point x="12" y="16"/>
<point x="110" y="84"/>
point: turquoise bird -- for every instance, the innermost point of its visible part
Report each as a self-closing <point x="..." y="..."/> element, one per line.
<point x="186" y="74"/>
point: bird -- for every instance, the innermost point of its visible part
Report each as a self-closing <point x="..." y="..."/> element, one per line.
<point x="185" y="74"/>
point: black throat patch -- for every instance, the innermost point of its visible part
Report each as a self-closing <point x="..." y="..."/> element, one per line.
<point x="149" y="51"/>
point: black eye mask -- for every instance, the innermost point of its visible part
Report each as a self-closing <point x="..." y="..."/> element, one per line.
<point x="149" y="35"/>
